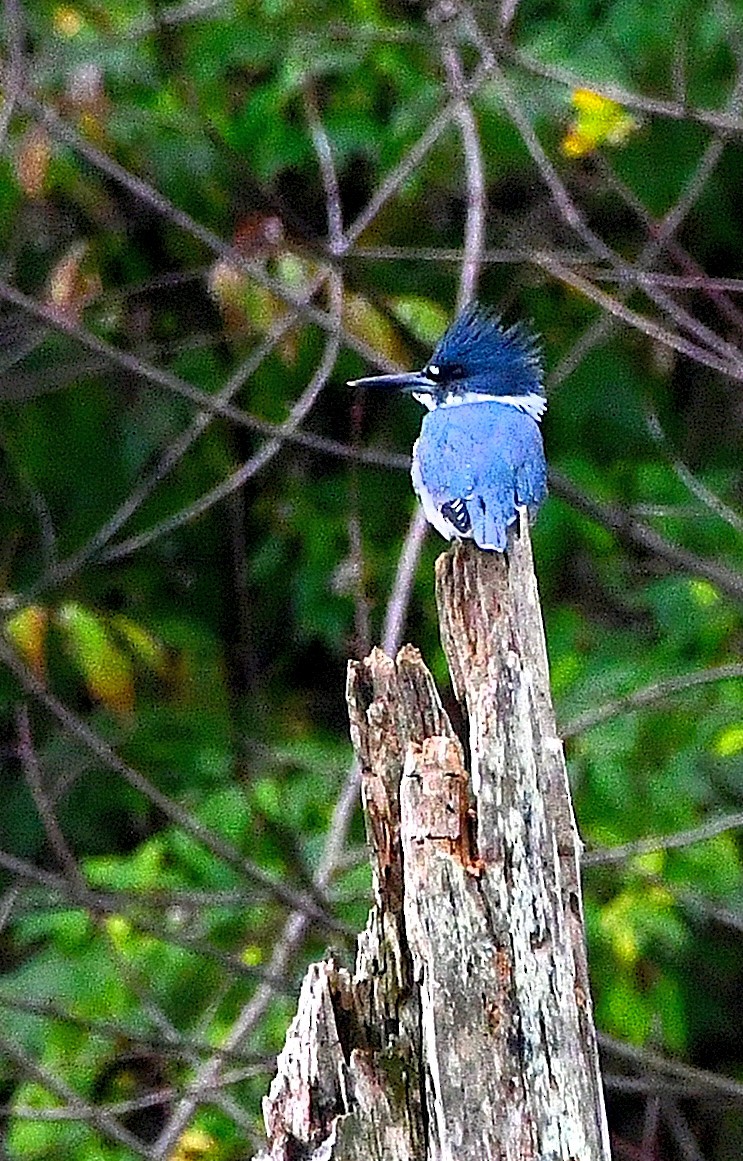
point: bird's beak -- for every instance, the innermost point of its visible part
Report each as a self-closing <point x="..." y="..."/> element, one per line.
<point x="408" y="381"/>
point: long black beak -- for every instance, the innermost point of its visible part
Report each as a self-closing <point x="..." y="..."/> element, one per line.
<point x="407" y="381"/>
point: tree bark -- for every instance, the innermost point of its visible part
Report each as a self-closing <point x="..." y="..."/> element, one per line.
<point x="466" y="1031"/>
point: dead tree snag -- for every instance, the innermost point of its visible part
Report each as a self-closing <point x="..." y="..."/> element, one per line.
<point x="465" y="1032"/>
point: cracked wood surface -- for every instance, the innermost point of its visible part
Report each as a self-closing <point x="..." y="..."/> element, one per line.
<point x="465" y="1032"/>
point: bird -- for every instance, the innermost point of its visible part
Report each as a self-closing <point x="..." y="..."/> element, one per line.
<point x="479" y="460"/>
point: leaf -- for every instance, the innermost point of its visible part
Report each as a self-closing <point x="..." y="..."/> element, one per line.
<point x="72" y="284"/>
<point x="366" y="322"/>
<point x="27" y="630"/>
<point x="426" y="319"/>
<point x="106" y="670"/>
<point x="67" y="21"/>
<point x="143" y="645"/>
<point x="32" y="161"/>
<point x="599" y="121"/>
<point x="194" y="1144"/>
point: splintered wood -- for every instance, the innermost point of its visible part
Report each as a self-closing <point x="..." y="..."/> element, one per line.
<point x="465" y="1032"/>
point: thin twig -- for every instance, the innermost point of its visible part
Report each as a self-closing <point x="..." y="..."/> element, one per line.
<point x="634" y="532"/>
<point x="76" y="728"/>
<point x="474" y="171"/>
<point x="171" y="457"/>
<point x="285" y="432"/>
<point x="97" y="1118"/>
<point x="574" y="218"/>
<point x="13" y="72"/>
<point x="723" y="122"/>
<point x="296" y="927"/>
<point x="648" y="695"/>
<point x="603" y="856"/>
<point x="157" y="201"/>
<point x="399" y="600"/>
<point x="306" y="401"/>
<point x="32" y="773"/>
<point x="177" y="1045"/>
<point x="328" y="172"/>
<point x="702" y="493"/>
<point x="101" y="904"/>
<point x="647" y="1061"/>
<point x="651" y="1122"/>
<point x="661" y="237"/>
<point x="212" y="404"/>
<point x="679" y="1128"/>
<point x="647" y="326"/>
<point x="394" y="180"/>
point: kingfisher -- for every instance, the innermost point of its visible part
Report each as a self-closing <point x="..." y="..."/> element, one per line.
<point x="479" y="459"/>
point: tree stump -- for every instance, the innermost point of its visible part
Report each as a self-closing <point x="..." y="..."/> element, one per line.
<point x="465" y="1032"/>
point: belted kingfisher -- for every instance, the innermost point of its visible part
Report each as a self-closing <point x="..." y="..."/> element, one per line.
<point x="479" y="457"/>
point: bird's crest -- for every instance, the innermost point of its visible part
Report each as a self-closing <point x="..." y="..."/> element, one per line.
<point x="478" y="347"/>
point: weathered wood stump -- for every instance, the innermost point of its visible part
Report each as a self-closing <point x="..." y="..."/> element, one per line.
<point x="466" y="1030"/>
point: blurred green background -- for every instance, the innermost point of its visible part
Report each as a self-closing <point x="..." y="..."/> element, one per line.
<point x="172" y="178"/>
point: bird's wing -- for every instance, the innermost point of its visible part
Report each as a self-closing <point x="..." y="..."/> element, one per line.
<point x="531" y="477"/>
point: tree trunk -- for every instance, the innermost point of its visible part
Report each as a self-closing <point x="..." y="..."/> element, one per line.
<point x="466" y="1031"/>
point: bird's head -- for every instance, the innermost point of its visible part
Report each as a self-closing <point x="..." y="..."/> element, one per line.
<point x="477" y="360"/>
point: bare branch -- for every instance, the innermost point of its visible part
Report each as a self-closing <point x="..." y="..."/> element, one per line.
<point x="296" y="927"/>
<point x="178" y="1045"/>
<point x="574" y="218"/>
<point x="648" y="695"/>
<point x="414" y="156"/>
<point x="97" y="1118"/>
<point x="76" y="728"/>
<point x="47" y="814"/>
<point x="285" y="432"/>
<point x="632" y="531"/>
<point x="474" y="232"/>
<point x="681" y="838"/>
<point x="688" y="479"/>
<point x="679" y="1127"/>
<point x="146" y="193"/>
<point x="647" y="1061"/>
<point x="13" y="72"/>
<point x="324" y="153"/>
<point x="723" y="122"/>
<point x="212" y="404"/>
<point x="399" y="600"/>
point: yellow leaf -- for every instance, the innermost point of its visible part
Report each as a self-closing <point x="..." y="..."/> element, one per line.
<point x="366" y="322"/>
<point x="32" y="161"/>
<point x="194" y="1144"/>
<point x="704" y="593"/>
<point x="67" y="21"/>
<point x="618" y="926"/>
<point x="27" y="631"/>
<point x="427" y="320"/>
<point x="729" y="742"/>
<point x="653" y="864"/>
<point x="143" y="645"/>
<point x="72" y="284"/>
<point x="598" y="121"/>
<point x="119" y="931"/>
<point x="107" y="671"/>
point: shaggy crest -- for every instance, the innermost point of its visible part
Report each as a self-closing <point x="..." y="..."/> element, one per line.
<point x="491" y="357"/>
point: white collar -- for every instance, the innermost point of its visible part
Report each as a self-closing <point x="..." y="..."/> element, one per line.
<point x="532" y="404"/>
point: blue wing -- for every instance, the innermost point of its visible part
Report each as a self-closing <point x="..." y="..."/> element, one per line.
<point x="479" y="462"/>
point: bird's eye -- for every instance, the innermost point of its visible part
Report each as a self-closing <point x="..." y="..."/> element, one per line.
<point x="433" y="371"/>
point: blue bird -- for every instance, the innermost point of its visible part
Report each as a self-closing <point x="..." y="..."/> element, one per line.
<point x="479" y="457"/>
